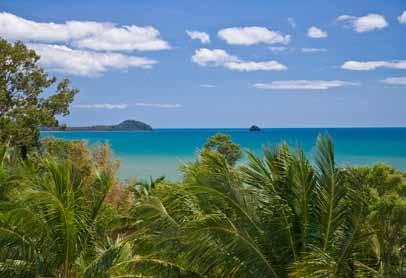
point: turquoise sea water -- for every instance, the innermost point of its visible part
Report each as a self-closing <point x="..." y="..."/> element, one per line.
<point x="160" y="152"/>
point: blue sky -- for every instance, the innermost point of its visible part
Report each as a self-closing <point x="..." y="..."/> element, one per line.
<point x="264" y="64"/>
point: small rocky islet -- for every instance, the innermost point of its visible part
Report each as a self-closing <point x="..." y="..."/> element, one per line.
<point x="254" y="128"/>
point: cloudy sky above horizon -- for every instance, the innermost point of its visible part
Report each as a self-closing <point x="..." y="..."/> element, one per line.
<point x="222" y="63"/>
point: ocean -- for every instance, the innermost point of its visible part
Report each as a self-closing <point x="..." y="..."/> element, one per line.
<point x="162" y="151"/>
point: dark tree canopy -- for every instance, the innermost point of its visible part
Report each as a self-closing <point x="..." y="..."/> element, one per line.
<point x="223" y="144"/>
<point x="26" y="98"/>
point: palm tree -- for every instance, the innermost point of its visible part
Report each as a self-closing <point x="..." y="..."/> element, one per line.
<point x="52" y="227"/>
<point x="275" y="217"/>
<point x="53" y="221"/>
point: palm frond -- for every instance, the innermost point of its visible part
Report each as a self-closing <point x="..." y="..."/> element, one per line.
<point x="331" y="209"/>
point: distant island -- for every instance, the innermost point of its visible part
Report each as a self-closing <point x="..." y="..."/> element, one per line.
<point x="255" y="128"/>
<point x="128" y="125"/>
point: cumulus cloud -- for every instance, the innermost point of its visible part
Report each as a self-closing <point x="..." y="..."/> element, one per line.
<point x="316" y="33"/>
<point x="402" y="18"/>
<point x="203" y="37"/>
<point x="363" y="24"/>
<point x="86" y="63"/>
<point x="102" y="106"/>
<point x="304" y="85"/>
<point x="395" y="81"/>
<point x="125" y="38"/>
<point x="373" y="65"/>
<point x="220" y="58"/>
<point x="83" y="34"/>
<point x="313" y="50"/>
<point x="158" y="105"/>
<point x="252" y="35"/>
<point x="215" y="57"/>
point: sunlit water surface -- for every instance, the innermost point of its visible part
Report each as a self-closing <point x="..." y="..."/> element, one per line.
<point x="162" y="151"/>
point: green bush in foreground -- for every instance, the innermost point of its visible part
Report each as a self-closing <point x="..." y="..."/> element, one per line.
<point x="63" y="214"/>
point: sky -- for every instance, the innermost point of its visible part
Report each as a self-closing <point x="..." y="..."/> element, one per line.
<point x="228" y="63"/>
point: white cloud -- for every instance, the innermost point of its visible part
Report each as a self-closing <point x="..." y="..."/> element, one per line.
<point x="125" y="38"/>
<point x="87" y="63"/>
<point x="158" y="105"/>
<point x="252" y="35"/>
<point x="220" y="58"/>
<point x="395" y="80"/>
<point x="207" y="85"/>
<point x="292" y="22"/>
<point x="255" y="66"/>
<point x="304" y="85"/>
<point x="316" y="33"/>
<point x="402" y="18"/>
<point x="102" y="106"/>
<point x="278" y="49"/>
<point x="215" y="57"/>
<point x="83" y="34"/>
<point x="201" y="36"/>
<point x="363" y="24"/>
<point x="313" y="50"/>
<point x="373" y="65"/>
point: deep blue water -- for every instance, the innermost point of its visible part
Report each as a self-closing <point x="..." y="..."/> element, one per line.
<point x="161" y="151"/>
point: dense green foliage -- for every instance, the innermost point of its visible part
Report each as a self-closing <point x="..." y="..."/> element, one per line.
<point x="64" y="214"/>
<point x="23" y="105"/>
<point x="222" y="143"/>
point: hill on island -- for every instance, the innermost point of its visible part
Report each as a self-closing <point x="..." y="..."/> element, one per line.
<point x="128" y="125"/>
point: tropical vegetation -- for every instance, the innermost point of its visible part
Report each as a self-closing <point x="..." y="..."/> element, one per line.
<point x="63" y="213"/>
